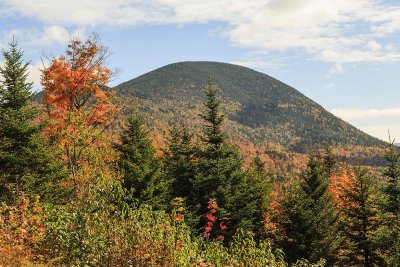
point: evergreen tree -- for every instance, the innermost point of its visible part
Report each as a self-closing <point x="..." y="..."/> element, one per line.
<point x="311" y="219"/>
<point x="329" y="161"/>
<point x="253" y="194"/>
<point x="179" y="162"/>
<point x="140" y="168"/>
<point x="392" y="173"/>
<point x="219" y="173"/>
<point x="390" y="231"/>
<point x="360" y="219"/>
<point x="26" y="162"/>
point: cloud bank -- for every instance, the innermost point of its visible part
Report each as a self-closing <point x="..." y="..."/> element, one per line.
<point x="365" y="114"/>
<point x="334" y="31"/>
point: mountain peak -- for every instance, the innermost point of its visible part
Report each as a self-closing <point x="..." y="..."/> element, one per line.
<point x="259" y="108"/>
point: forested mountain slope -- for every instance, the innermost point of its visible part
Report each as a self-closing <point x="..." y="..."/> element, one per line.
<point x="259" y="108"/>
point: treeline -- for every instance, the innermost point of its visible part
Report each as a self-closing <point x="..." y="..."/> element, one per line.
<point x="82" y="186"/>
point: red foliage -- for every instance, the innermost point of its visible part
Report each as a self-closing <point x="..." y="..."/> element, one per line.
<point x="214" y="227"/>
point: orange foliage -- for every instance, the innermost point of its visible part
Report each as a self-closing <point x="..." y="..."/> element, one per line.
<point x="79" y="111"/>
<point x="338" y="182"/>
<point x="73" y="93"/>
<point x="275" y="210"/>
<point x="21" y="229"/>
<point x="72" y="85"/>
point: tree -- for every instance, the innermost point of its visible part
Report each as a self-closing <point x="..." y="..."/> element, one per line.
<point x="141" y="170"/>
<point x="253" y="194"/>
<point x="329" y="161"/>
<point x="78" y="109"/>
<point x="179" y="162"/>
<point x="26" y="162"/>
<point x="390" y="231"/>
<point x="310" y="216"/>
<point x="392" y="173"/>
<point x="220" y="176"/>
<point x="360" y="219"/>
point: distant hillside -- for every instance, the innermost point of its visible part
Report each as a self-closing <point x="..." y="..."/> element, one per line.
<point x="259" y="108"/>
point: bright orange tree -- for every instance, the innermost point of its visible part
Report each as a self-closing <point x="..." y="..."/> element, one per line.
<point x="78" y="108"/>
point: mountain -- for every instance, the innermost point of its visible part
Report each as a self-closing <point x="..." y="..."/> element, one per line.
<point x="259" y="108"/>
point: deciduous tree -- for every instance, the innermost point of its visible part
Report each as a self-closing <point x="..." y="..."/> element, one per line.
<point x="79" y="107"/>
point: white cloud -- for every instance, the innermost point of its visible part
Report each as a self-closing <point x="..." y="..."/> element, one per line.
<point x="376" y="122"/>
<point x="48" y="36"/>
<point x="336" y="31"/>
<point x="35" y="74"/>
<point x="381" y="131"/>
<point x="365" y="114"/>
<point x="52" y="34"/>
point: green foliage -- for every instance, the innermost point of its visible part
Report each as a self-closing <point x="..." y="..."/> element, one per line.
<point x="26" y="163"/>
<point x="389" y="233"/>
<point x="360" y="219"/>
<point x="220" y="176"/>
<point x="179" y="161"/>
<point x="15" y="90"/>
<point x="392" y="173"/>
<point x="107" y="232"/>
<point x="310" y="217"/>
<point x="140" y="168"/>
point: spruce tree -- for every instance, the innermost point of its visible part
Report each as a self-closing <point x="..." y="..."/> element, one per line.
<point x="390" y="231"/>
<point x="330" y="162"/>
<point x="26" y="162"/>
<point x="360" y="219"/>
<point x="220" y="176"/>
<point x="254" y="193"/>
<point x="311" y="219"/>
<point x="141" y="170"/>
<point x="392" y="174"/>
<point x="179" y="162"/>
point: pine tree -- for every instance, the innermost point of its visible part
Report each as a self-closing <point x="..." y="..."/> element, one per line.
<point x="360" y="219"/>
<point x="26" y="163"/>
<point x="140" y="168"/>
<point x="310" y="217"/>
<point x="219" y="173"/>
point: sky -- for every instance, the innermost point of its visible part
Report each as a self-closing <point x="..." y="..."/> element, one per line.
<point x="343" y="54"/>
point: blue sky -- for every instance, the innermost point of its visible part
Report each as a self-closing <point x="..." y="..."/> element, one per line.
<point x="343" y="54"/>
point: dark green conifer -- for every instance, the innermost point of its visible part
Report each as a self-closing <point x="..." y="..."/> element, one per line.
<point x="311" y="217"/>
<point x="180" y="162"/>
<point x="392" y="173"/>
<point x="220" y="176"/>
<point x="140" y="167"/>
<point x="26" y="163"/>
<point x="389" y="238"/>
<point x="360" y="219"/>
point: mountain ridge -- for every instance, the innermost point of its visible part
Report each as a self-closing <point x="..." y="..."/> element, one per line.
<point x="259" y="108"/>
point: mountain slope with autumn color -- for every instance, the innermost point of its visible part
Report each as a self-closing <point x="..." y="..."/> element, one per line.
<point x="259" y="108"/>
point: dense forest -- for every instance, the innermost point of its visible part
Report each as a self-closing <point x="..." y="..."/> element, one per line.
<point x="258" y="107"/>
<point x="83" y="182"/>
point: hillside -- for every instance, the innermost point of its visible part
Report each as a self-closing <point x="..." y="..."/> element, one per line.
<point x="259" y="108"/>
